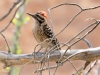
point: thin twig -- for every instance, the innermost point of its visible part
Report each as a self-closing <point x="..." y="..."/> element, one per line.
<point x="91" y="67"/>
<point x="83" y="36"/>
<point x="66" y="4"/>
<point x="91" y="8"/>
<point x="71" y="22"/>
<point x="73" y="66"/>
<point x="86" y="33"/>
<point x="6" y="43"/>
<point x="12" y="17"/>
<point x="87" y="42"/>
<point x="23" y="67"/>
<point x="9" y="24"/>
<point x="59" y="64"/>
<point x="10" y="10"/>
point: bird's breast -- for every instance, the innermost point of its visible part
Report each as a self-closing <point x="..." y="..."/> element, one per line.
<point x="39" y="35"/>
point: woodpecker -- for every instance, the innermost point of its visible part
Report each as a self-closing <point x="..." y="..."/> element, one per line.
<point x="42" y="32"/>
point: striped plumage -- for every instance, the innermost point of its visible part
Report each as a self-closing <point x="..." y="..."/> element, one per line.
<point x="42" y="31"/>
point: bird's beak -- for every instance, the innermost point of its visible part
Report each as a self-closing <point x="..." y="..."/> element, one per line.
<point x="32" y="15"/>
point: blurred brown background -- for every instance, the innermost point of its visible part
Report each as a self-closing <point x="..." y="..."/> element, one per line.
<point x="60" y="17"/>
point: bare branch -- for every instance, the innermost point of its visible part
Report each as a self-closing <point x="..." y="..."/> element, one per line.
<point x="6" y="42"/>
<point x="9" y="24"/>
<point x="12" y="17"/>
<point x="91" y="67"/>
<point x="87" y="42"/>
<point x="90" y="54"/>
<point x="10" y="10"/>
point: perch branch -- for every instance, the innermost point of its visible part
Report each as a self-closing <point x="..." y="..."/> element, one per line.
<point x="90" y="54"/>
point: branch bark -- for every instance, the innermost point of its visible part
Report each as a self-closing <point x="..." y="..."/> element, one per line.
<point x="90" y="54"/>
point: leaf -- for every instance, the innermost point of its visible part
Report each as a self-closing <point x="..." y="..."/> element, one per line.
<point x="18" y="51"/>
<point x="8" y="68"/>
<point x="26" y="19"/>
<point x="14" y="21"/>
<point x="27" y="1"/>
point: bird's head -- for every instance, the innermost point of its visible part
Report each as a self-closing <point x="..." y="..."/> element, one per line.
<point x="39" y="16"/>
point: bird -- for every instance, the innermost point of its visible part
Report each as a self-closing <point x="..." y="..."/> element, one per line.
<point x="42" y="31"/>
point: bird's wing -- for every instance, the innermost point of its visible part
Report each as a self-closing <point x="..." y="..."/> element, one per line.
<point x="48" y="32"/>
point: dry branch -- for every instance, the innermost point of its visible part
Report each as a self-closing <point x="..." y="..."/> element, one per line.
<point x="10" y="10"/>
<point x="90" y="54"/>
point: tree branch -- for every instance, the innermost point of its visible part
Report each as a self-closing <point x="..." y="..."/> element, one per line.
<point x="10" y="10"/>
<point x="90" y="54"/>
